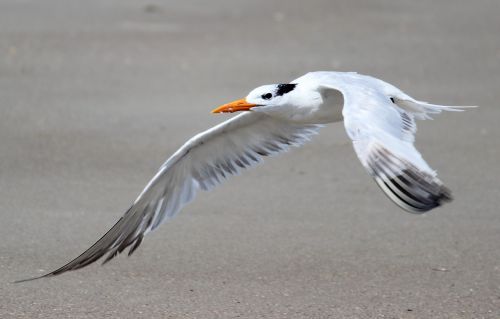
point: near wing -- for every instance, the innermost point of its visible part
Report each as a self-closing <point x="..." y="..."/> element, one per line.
<point x="203" y="162"/>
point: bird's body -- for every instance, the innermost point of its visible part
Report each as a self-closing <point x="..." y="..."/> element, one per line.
<point x="378" y="117"/>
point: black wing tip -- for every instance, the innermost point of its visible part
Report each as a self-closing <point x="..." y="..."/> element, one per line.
<point x="441" y="196"/>
<point x="135" y="244"/>
<point x="33" y="278"/>
<point x="90" y="256"/>
<point x="418" y="199"/>
<point x="409" y="187"/>
<point x="445" y="195"/>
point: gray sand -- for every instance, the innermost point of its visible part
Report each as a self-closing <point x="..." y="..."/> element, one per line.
<point x="95" y="95"/>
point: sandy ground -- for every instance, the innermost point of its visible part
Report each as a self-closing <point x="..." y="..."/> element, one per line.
<point x="94" y="96"/>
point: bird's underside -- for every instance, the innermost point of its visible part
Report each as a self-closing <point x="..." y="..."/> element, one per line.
<point x="378" y="117"/>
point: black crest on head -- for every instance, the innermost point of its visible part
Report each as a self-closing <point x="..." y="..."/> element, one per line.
<point x="285" y="88"/>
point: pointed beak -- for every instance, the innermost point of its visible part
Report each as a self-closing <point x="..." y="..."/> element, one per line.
<point x="235" y="106"/>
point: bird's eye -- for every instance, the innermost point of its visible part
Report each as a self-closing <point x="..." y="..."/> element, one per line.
<point x="266" y="96"/>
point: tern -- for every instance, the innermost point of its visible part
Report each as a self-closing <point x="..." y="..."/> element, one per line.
<point x="378" y="117"/>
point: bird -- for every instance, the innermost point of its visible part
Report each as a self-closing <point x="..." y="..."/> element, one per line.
<point x="378" y="117"/>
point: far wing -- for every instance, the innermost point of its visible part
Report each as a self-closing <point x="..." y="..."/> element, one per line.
<point x="203" y="162"/>
<point x="383" y="132"/>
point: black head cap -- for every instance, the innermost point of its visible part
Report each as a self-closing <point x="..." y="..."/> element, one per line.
<point x="285" y="88"/>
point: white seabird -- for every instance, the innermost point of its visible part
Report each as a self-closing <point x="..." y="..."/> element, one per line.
<point x="378" y="117"/>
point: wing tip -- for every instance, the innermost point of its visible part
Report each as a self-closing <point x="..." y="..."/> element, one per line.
<point x="413" y="201"/>
<point x="50" y="274"/>
<point x="111" y="244"/>
<point x="409" y="187"/>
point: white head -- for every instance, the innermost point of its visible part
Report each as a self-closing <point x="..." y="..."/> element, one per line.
<point x="292" y="101"/>
<point x="272" y="94"/>
<point x="269" y="98"/>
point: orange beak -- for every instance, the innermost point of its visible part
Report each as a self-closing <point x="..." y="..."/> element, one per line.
<point x="235" y="106"/>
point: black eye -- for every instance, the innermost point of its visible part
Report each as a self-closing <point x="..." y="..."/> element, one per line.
<point x="266" y="96"/>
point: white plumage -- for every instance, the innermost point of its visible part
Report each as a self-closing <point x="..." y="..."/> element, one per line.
<point x="378" y="117"/>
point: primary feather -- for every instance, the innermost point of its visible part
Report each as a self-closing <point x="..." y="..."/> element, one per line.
<point x="203" y="162"/>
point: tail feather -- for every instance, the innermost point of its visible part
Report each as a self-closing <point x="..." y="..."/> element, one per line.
<point x="423" y="109"/>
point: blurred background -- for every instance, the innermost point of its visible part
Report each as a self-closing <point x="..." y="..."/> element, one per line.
<point x="95" y="95"/>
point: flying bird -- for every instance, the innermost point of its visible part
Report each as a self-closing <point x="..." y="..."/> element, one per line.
<point x="378" y="117"/>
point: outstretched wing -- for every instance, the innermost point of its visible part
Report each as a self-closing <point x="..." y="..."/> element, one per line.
<point x="383" y="136"/>
<point x="203" y="162"/>
<point x="380" y="120"/>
